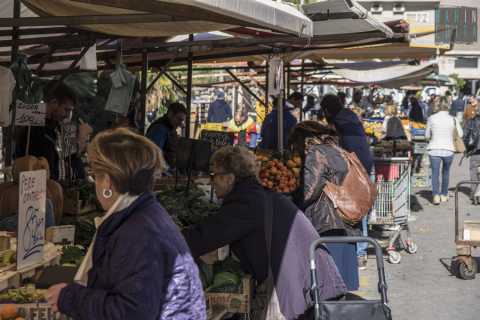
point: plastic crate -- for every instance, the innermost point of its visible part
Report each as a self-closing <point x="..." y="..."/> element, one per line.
<point x="417" y="132"/>
<point x="420" y="147"/>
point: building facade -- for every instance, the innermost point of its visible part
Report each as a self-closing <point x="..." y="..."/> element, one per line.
<point x="452" y="21"/>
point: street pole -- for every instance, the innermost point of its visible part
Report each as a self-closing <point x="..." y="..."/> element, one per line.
<point x="189" y="88"/>
<point x="9" y="138"/>
<point x="302" y="87"/>
<point x="143" y="90"/>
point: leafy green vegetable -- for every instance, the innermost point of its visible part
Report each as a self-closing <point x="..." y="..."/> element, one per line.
<point x="72" y="255"/>
<point x="224" y="279"/>
<point x="186" y="210"/>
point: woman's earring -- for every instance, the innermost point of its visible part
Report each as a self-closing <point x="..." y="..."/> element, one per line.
<point x="107" y="193"/>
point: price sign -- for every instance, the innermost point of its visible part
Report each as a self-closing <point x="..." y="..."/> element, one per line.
<point x="31" y="218"/>
<point x="218" y="139"/>
<point x="30" y="114"/>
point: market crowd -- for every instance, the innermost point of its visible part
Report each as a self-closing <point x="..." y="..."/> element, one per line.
<point x="140" y="265"/>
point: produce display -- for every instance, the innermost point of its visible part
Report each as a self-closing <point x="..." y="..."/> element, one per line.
<point x="8" y="257"/>
<point x="11" y="312"/>
<point x="28" y="294"/>
<point x="72" y="256"/>
<point x="280" y="175"/>
<point x="223" y="277"/>
<point x="186" y="209"/>
<point x="374" y="129"/>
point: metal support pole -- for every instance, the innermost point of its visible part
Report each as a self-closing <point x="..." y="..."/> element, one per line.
<point x="288" y="80"/>
<point x="302" y="87"/>
<point x="189" y="88"/>
<point x="143" y="90"/>
<point x="267" y="68"/>
<point x="280" y="123"/>
<point x="9" y="138"/>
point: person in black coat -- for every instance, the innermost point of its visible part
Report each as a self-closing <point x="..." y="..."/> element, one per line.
<point x="47" y="141"/>
<point x="241" y="224"/>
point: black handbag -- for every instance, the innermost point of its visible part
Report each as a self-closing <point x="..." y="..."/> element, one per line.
<point x="346" y="308"/>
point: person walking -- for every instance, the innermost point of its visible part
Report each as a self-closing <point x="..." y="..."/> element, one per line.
<point x="323" y="163"/>
<point x="416" y="113"/>
<point x="219" y="111"/>
<point x="441" y="148"/>
<point x="138" y="265"/>
<point x="471" y="109"/>
<point x="458" y="107"/>
<point x="352" y="138"/>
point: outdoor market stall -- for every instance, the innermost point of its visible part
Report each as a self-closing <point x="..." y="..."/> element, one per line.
<point x="258" y="30"/>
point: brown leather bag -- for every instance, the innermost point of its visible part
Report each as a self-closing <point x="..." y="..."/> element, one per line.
<point x="354" y="198"/>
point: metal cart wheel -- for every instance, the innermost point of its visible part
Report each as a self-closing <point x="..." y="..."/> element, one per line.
<point x="412" y="247"/>
<point x="466" y="273"/>
<point x="394" y="257"/>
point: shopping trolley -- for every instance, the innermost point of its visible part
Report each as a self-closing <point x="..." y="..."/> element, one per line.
<point x="392" y="207"/>
<point x="349" y="309"/>
<point x="464" y="265"/>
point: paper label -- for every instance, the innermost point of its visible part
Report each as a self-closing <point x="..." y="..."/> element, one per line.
<point x="31" y="218"/>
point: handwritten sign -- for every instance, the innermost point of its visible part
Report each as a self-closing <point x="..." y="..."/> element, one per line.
<point x="30" y="114"/>
<point x="31" y="218"/>
<point x="218" y="139"/>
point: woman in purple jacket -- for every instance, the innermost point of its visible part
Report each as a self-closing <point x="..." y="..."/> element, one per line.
<point x="138" y="266"/>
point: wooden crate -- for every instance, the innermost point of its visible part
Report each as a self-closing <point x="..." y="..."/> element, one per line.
<point x="234" y="302"/>
<point x="73" y="205"/>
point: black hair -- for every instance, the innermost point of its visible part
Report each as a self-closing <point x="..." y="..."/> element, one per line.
<point x="296" y="96"/>
<point x="57" y="90"/>
<point x="416" y="112"/>
<point x="311" y="129"/>
<point x="331" y="104"/>
<point x="176" y="108"/>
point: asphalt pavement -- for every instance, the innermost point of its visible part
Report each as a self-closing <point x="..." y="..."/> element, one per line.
<point x="421" y="285"/>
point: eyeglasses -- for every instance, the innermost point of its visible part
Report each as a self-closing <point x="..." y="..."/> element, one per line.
<point x="213" y="174"/>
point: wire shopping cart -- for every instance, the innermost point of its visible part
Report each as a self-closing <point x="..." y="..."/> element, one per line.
<point x="392" y="207"/>
<point x="348" y="308"/>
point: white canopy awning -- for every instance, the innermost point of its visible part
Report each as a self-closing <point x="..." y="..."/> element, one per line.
<point x="343" y="17"/>
<point x="388" y="73"/>
<point x="179" y="16"/>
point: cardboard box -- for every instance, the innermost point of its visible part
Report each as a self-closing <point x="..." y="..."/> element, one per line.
<point x="471" y="230"/>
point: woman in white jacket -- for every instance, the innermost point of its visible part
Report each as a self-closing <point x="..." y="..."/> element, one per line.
<point x="441" y="149"/>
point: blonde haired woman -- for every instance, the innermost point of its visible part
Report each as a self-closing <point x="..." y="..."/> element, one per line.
<point x="392" y="125"/>
<point x="138" y="265"/>
<point x="441" y="149"/>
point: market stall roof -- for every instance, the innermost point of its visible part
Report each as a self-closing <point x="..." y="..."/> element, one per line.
<point x="164" y="18"/>
<point x="232" y="44"/>
<point x="388" y="74"/>
<point x="343" y="17"/>
<point x="387" y="50"/>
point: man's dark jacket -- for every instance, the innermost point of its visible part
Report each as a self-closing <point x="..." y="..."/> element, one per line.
<point x="352" y="136"/>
